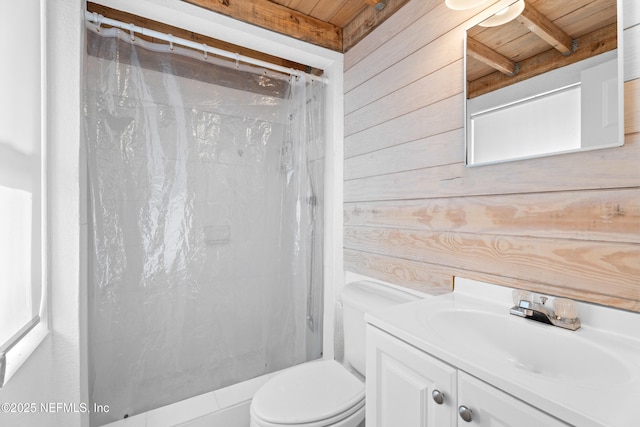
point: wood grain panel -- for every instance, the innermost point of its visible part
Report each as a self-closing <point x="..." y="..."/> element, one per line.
<point x="630" y="13"/>
<point x="588" y="18"/>
<point x="632" y="53"/>
<point x="397" y="23"/>
<point x="564" y="225"/>
<point x="556" y="9"/>
<point x="438" y="22"/>
<point x="607" y="215"/>
<point x="441" y="149"/>
<point x="420" y="63"/>
<point x="605" y="268"/>
<point x="364" y="263"/>
<point x="431" y="120"/>
<point x="423" y="277"/>
<point x="367" y="21"/>
<point x="325" y="10"/>
<point x="606" y="168"/>
<point x="304" y="6"/>
<point x="557" y="289"/>
<point x="442" y="84"/>
<point x="632" y="106"/>
<point x="348" y="9"/>
<point x="281" y="19"/>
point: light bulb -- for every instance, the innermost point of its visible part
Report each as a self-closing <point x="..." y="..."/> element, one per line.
<point x="504" y="15"/>
<point x="463" y="4"/>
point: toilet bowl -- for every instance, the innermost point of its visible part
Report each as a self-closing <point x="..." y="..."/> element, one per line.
<point x="327" y="393"/>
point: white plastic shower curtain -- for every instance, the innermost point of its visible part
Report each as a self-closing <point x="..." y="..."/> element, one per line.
<point x="205" y="210"/>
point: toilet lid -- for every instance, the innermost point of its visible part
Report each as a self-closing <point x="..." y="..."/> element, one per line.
<point x="307" y="393"/>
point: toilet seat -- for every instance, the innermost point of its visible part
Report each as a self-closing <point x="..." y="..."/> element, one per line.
<point x="354" y="418"/>
<point x="314" y="394"/>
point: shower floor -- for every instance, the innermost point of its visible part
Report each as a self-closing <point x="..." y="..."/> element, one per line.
<point x="226" y="407"/>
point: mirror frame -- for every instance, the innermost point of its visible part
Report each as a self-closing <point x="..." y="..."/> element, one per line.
<point x="489" y="12"/>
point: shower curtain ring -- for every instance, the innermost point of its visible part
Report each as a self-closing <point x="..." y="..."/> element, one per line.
<point x="204" y="48"/>
<point x="131" y="30"/>
<point x="170" y="42"/>
<point x="97" y="18"/>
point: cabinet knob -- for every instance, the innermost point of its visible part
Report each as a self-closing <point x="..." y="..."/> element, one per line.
<point x="465" y="413"/>
<point x="438" y="396"/>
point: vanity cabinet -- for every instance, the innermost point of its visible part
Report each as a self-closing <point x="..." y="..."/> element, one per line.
<point x="410" y="388"/>
<point x="400" y="381"/>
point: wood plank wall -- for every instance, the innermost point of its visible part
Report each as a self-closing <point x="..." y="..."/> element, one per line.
<point x="415" y="215"/>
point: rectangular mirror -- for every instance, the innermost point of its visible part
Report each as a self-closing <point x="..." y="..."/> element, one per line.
<point x="544" y="77"/>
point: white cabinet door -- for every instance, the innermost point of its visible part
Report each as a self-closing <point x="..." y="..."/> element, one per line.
<point x="400" y="382"/>
<point x="491" y="407"/>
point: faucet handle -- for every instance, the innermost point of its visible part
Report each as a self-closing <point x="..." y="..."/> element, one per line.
<point x="521" y="295"/>
<point x="526" y="304"/>
<point x="565" y="308"/>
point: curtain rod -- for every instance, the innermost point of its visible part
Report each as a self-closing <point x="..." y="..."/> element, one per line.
<point x="98" y="19"/>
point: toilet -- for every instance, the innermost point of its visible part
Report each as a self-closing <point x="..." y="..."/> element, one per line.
<point x="325" y="393"/>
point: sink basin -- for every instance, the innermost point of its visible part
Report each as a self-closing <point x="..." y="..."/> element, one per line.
<point x="539" y="349"/>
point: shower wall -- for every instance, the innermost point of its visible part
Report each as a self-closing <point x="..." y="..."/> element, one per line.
<point x="205" y="204"/>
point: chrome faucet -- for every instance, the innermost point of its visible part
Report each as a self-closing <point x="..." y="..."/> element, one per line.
<point x="542" y="313"/>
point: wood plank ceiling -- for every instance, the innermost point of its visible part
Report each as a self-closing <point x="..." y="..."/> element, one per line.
<point x="539" y="40"/>
<point x="335" y="24"/>
<point x="549" y="34"/>
<point x="340" y="24"/>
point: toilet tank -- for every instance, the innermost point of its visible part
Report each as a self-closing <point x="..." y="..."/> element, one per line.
<point x="357" y="299"/>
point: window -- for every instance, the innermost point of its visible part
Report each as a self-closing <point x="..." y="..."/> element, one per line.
<point x="22" y="283"/>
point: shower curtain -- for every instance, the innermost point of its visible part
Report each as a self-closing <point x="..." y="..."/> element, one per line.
<point x="205" y="220"/>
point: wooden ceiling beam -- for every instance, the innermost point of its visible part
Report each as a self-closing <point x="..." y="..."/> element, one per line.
<point x="190" y="35"/>
<point x="594" y="43"/>
<point x="544" y="28"/>
<point x="490" y="57"/>
<point x="278" y="18"/>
